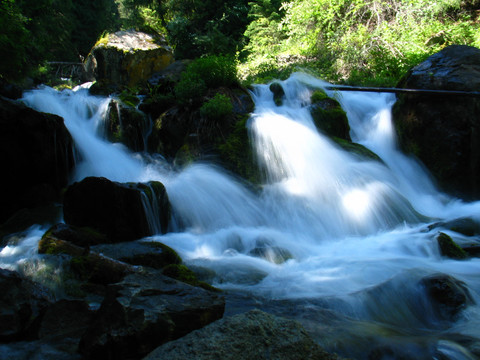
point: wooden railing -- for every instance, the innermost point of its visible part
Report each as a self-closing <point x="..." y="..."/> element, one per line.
<point x="403" y="91"/>
<point x="67" y="69"/>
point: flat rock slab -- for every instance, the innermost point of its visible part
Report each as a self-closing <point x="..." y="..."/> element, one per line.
<point x="144" y="311"/>
<point x="252" y="335"/>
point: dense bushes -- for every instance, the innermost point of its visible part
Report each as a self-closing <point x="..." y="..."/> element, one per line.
<point x="205" y="73"/>
<point x="361" y="40"/>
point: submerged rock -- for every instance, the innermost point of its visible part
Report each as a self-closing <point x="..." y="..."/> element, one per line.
<point x="449" y="248"/>
<point x="252" y="335"/>
<point x="127" y="59"/>
<point x="447" y="295"/>
<point x="36" y="157"/>
<point x="442" y="130"/>
<point x="117" y="210"/>
<point x="144" y="311"/>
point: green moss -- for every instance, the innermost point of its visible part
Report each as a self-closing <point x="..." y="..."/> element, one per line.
<point x="49" y="245"/>
<point x="317" y="96"/>
<point x="182" y="273"/>
<point x="170" y="256"/>
<point x="331" y="119"/>
<point x="449" y="248"/>
<point x="129" y="98"/>
<point x="237" y="155"/>
<point x="357" y="149"/>
<point x="103" y="40"/>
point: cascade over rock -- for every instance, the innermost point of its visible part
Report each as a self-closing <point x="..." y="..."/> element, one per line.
<point x="116" y="209"/>
<point x="36" y="157"/>
<point x="127" y="58"/>
<point x="443" y="130"/>
<point x="127" y="125"/>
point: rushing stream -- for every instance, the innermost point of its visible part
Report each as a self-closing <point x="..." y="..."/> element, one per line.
<point x="337" y="241"/>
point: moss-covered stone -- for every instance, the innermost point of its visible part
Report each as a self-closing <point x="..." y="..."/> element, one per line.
<point x="331" y="119"/>
<point x="237" y="155"/>
<point x="182" y="273"/>
<point x="356" y="149"/>
<point x="278" y="93"/>
<point x="318" y="96"/>
<point x="51" y="245"/>
<point x="160" y="257"/>
<point x="99" y="269"/>
<point x="449" y="248"/>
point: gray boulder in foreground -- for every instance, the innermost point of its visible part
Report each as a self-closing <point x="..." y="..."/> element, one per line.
<point x="252" y="335"/>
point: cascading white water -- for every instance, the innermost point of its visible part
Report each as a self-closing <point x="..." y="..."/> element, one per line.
<point x="343" y="232"/>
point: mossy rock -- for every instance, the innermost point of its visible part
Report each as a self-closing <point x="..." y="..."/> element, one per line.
<point x="182" y="273"/>
<point x="318" y="96"/>
<point x="331" y="120"/>
<point x="278" y="93"/>
<point x="237" y="155"/>
<point x="449" y="248"/>
<point x="99" y="269"/>
<point x="160" y="257"/>
<point x="356" y="149"/>
<point x="51" y="245"/>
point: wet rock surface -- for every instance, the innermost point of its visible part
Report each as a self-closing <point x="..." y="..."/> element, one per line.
<point x="36" y="143"/>
<point x="252" y="335"/>
<point x="116" y="210"/>
<point x="442" y="130"/>
<point x="144" y="311"/>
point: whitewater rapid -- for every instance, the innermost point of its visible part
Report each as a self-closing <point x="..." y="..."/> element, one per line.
<point x="349" y="234"/>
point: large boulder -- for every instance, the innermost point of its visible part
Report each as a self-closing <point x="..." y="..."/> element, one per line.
<point x="22" y="304"/>
<point x="443" y="130"/>
<point x="127" y="59"/>
<point x="122" y="212"/>
<point x="252" y="335"/>
<point x="144" y="311"/>
<point x="36" y="157"/>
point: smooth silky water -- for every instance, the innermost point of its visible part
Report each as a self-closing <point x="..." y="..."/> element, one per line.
<point x="334" y="240"/>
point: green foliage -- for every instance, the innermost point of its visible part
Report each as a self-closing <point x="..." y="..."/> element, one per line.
<point x="13" y="40"/>
<point x="205" y="73"/>
<point x="363" y="41"/>
<point x="217" y="108"/>
<point x="190" y="87"/>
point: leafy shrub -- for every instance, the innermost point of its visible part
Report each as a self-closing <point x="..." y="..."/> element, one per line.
<point x="190" y="87"/>
<point x="205" y="73"/>
<point x="217" y="107"/>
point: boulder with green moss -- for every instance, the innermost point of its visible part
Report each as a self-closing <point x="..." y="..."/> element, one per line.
<point x="127" y="59"/>
<point x="145" y="253"/>
<point x="449" y="248"/>
<point x="328" y="116"/>
<point x="126" y="124"/>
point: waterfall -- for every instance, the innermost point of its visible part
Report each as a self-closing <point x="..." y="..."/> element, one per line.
<point x="328" y="231"/>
